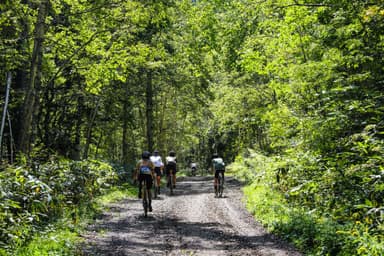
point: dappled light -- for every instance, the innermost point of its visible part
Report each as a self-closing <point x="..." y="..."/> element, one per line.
<point x="289" y="93"/>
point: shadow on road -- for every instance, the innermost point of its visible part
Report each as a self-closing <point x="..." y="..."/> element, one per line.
<point x="199" y="185"/>
<point x="172" y="234"/>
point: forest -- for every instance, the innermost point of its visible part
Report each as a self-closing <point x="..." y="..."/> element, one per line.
<point x="290" y="92"/>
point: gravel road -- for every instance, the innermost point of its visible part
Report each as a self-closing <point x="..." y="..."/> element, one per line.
<point x="191" y="222"/>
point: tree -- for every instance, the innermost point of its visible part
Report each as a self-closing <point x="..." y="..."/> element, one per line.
<point x="29" y="105"/>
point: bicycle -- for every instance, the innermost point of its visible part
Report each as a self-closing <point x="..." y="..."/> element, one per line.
<point x="220" y="185"/>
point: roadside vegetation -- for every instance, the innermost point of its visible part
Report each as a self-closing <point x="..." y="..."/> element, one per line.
<point x="44" y="209"/>
<point x="305" y="212"/>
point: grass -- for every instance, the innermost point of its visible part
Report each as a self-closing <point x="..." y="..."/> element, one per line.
<point x="60" y="240"/>
<point x="117" y="193"/>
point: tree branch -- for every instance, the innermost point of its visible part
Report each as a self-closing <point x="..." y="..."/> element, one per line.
<point x="306" y="5"/>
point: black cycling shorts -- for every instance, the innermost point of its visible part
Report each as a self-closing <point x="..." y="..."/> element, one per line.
<point x="217" y="173"/>
<point x="170" y="167"/>
<point x="158" y="171"/>
<point x="147" y="178"/>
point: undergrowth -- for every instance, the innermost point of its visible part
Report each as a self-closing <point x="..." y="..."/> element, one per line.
<point x="44" y="210"/>
<point x="313" y="230"/>
<point x="64" y="237"/>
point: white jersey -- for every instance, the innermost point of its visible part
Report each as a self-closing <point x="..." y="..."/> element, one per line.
<point x="171" y="159"/>
<point x="156" y="160"/>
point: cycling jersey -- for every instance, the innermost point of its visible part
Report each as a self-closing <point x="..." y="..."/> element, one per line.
<point x="171" y="159"/>
<point x="145" y="167"/>
<point x="156" y="160"/>
<point x="171" y="165"/>
<point x="218" y="164"/>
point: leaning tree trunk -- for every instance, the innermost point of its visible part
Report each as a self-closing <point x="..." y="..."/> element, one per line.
<point x="29" y="101"/>
<point x="11" y="144"/>
<point x="9" y="79"/>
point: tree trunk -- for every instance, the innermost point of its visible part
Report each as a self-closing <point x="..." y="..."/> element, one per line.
<point x="9" y="79"/>
<point x="125" y="133"/>
<point x="162" y="124"/>
<point x="11" y="144"/>
<point x="75" y="148"/>
<point x="29" y="101"/>
<point x="89" y="130"/>
<point x="149" y="110"/>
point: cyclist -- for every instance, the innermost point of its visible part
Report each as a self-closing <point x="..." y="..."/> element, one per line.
<point x="171" y="166"/>
<point x="158" y="162"/>
<point x="218" y="166"/>
<point x="193" y="168"/>
<point x="145" y="171"/>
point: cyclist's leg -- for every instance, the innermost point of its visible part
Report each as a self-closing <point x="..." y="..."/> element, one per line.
<point x="222" y="175"/>
<point x="174" y="179"/>
<point x="155" y="183"/>
<point x="140" y="185"/>
<point x="158" y="179"/>
<point x="145" y="198"/>
<point x="170" y="181"/>
<point x="216" y="181"/>
<point x="167" y="175"/>
<point x="154" y="186"/>
<point x="149" y="186"/>
<point x="221" y="183"/>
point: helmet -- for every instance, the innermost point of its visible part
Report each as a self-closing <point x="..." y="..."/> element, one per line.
<point x="156" y="152"/>
<point x="215" y="155"/>
<point x="146" y="155"/>
<point x="172" y="153"/>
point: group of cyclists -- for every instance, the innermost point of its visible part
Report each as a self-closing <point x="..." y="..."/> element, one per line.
<point x="151" y="168"/>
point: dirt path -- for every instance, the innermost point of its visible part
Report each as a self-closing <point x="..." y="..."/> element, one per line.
<point x="191" y="222"/>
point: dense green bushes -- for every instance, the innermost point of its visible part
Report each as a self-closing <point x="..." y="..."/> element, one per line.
<point x="314" y="208"/>
<point x="33" y="197"/>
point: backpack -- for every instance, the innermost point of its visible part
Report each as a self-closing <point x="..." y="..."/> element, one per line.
<point x="218" y="164"/>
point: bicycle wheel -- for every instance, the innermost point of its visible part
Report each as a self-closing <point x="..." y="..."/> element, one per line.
<point x="170" y="183"/>
<point x="155" y="188"/>
<point x="217" y="187"/>
<point x="145" y="199"/>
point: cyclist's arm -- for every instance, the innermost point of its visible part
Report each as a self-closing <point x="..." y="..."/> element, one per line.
<point x="136" y="172"/>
